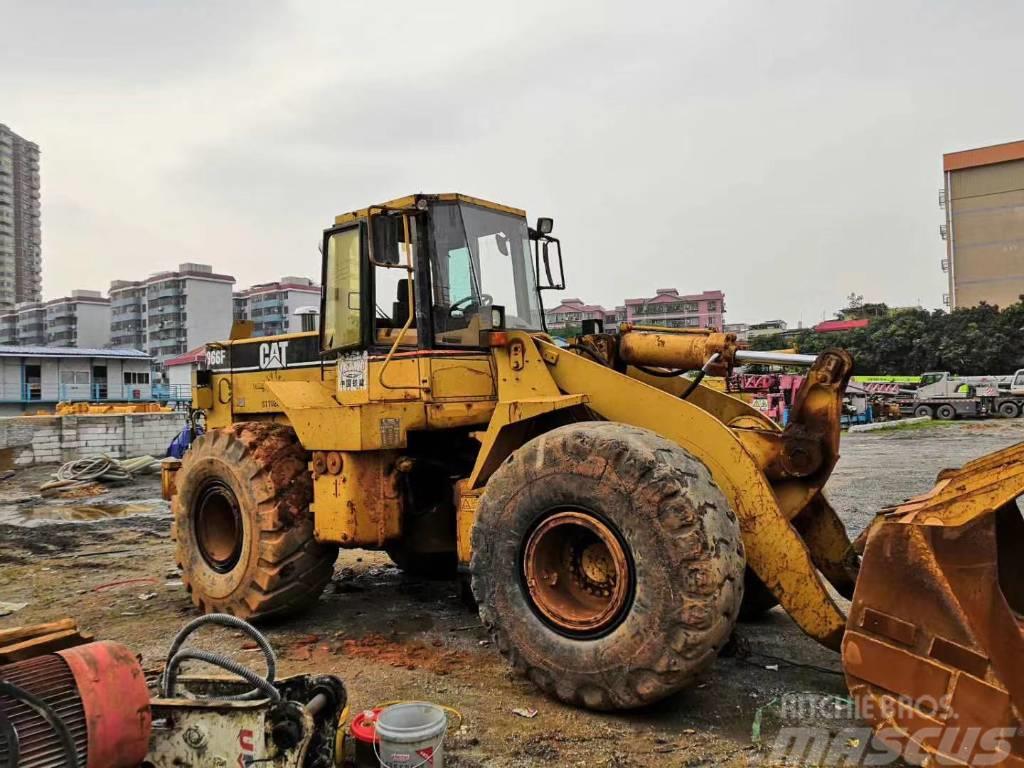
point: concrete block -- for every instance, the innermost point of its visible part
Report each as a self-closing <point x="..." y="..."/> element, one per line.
<point x="880" y="425"/>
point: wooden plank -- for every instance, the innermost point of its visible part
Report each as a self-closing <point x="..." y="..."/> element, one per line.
<point x="8" y="636"/>
<point x="37" y="646"/>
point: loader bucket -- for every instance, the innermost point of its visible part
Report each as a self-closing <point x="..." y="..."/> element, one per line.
<point x="934" y="648"/>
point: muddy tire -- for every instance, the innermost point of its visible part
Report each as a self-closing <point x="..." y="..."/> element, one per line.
<point x="607" y="565"/>
<point x="242" y="524"/>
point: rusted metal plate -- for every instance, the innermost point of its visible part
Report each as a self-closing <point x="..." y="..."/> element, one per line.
<point x="933" y="650"/>
<point x="878" y="623"/>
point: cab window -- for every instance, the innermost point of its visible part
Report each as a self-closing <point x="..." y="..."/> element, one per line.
<point x="342" y="269"/>
<point x="483" y="259"/>
<point x="393" y="285"/>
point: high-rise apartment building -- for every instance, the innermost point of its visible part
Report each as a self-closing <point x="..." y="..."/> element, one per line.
<point x="983" y="199"/>
<point x="20" y="233"/>
<point x="169" y="313"/>
<point x="185" y="309"/>
<point x="271" y="306"/>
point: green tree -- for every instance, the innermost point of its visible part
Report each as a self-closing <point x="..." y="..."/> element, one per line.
<point x="570" y="330"/>
<point x="970" y="341"/>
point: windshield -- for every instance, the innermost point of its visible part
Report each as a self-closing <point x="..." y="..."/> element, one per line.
<point x="483" y="258"/>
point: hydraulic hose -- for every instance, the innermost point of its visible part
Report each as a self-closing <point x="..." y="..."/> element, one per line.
<point x="263" y="686"/>
<point x="592" y="353"/>
<point x="700" y="375"/>
<point x="664" y="374"/>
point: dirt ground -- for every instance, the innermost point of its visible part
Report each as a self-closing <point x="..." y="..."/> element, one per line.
<point x="107" y="560"/>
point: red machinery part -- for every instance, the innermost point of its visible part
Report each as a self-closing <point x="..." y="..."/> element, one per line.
<point x="98" y="690"/>
<point x="364" y="733"/>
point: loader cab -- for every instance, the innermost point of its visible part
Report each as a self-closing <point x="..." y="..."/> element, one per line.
<point x="430" y="272"/>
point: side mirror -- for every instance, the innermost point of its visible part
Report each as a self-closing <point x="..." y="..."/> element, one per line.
<point x="385" y="238"/>
<point x="545" y="226"/>
<point x="544" y="257"/>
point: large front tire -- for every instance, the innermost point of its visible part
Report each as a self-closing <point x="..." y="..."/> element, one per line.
<point x="242" y="524"/>
<point x="607" y="565"/>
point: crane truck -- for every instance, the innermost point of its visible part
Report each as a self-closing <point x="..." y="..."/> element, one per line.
<point x="943" y="395"/>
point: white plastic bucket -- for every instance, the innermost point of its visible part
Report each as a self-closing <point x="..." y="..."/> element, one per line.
<point x="411" y="735"/>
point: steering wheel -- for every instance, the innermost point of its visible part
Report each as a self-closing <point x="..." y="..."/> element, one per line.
<point x="462" y="304"/>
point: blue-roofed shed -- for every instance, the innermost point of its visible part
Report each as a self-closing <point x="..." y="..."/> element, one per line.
<point x="40" y="376"/>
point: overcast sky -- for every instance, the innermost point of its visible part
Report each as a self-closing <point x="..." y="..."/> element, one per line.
<point x="786" y="153"/>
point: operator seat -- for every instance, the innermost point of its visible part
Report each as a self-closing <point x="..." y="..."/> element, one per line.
<point x="400" y="309"/>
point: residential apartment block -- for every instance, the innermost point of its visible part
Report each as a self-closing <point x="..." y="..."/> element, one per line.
<point x="8" y="329"/>
<point x="30" y="323"/>
<point x="741" y="330"/>
<point x="572" y="312"/>
<point x="169" y="313"/>
<point x="20" y="233"/>
<point x="127" y="324"/>
<point x="766" y="328"/>
<point x="671" y="309"/>
<point x="79" y="320"/>
<point x="983" y="199"/>
<point x="271" y="306"/>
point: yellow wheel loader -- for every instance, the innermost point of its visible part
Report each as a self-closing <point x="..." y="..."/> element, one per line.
<point x="614" y="515"/>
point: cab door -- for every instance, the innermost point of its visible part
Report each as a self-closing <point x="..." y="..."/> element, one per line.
<point x="344" y="322"/>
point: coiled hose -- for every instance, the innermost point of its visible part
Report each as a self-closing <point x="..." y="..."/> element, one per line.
<point x="263" y="687"/>
<point x="81" y="472"/>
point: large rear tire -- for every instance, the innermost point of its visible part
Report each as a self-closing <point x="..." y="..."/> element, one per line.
<point x="242" y="524"/>
<point x="607" y="565"/>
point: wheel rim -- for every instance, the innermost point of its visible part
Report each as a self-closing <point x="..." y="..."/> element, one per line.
<point x="577" y="572"/>
<point x="217" y="519"/>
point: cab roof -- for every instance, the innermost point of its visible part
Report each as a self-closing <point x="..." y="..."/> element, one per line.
<point x="410" y="202"/>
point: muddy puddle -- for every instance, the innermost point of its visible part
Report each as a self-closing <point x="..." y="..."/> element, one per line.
<point x="33" y="513"/>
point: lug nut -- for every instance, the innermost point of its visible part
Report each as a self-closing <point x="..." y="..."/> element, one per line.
<point x="334" y="462"/>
